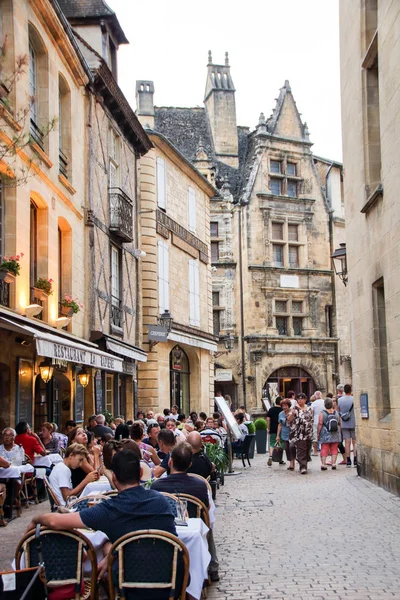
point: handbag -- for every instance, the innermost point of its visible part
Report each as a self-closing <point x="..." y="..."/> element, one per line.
<point x="277" y="453"/>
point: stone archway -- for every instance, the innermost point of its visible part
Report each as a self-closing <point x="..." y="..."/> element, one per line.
<point x="313" y="368"/>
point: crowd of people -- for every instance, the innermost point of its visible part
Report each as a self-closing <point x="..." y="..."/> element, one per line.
<point x="318" y="425"/>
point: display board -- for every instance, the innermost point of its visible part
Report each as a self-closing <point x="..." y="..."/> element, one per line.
<point x="230" y="420"/>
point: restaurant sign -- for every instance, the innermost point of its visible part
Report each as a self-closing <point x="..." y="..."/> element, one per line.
<point x="80" y="355"/>
<point x="157" y="333"/>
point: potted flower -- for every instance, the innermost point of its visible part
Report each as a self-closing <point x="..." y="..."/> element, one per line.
<point x="69" y="306"/>
<point x="261" y="435"/>
<point x="10" y="268"/>
<point x="43" y="288"/>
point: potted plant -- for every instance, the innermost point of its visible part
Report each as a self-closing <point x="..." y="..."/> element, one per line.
<point x="219" y="457"/>
<point x="251" y="429"/>
<point x="10" y="268"/>
<point x="261" y="435"/>
<point x="69" y="306"/>
<point x="43" y="288"/>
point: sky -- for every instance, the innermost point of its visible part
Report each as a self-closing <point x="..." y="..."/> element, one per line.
<point x="268" y="42"/>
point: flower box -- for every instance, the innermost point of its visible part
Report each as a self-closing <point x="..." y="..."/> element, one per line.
<point x="40" y="294"/>
<point x="7" y="276"/>
<point x="67" y="311"/>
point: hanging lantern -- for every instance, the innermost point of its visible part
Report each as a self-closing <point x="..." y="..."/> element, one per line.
<point x="46" y="370"/>
<point x="83" y="377"/>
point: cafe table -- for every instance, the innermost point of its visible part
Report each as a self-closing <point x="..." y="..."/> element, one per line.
<point x="14" y="472"/>
<point x="96" y="487"/>
<point x="47" y="461"/>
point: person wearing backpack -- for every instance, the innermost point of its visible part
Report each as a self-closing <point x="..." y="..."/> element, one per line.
<point x="329" y="433"/>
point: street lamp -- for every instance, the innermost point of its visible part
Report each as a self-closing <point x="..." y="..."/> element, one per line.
<point x="340" y="266"/>
<point x="83" y="377"/>
<point x="165" y="320"/>
<point x="46" y="370"/>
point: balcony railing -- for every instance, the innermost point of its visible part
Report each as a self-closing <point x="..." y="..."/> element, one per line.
<point x="36" y="135"/>
<point x="121" y="214"/>
<point x="4" y="294"/>
<point x="117" y="314"/>
<point x="62" y="164"/>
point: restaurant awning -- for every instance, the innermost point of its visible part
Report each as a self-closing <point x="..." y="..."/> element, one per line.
<point x="126" y="350"/>
<point x="55" y="346"/>
<point x="192" y="340"/>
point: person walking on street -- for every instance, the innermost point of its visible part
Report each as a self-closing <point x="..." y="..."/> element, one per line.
<point x="272" y="427"/>
<point x="346" y="411"/>
<point x="317" y="406"/>
<point x="301" y="420"/>
<point x="328" y="433"/>
<point x="284" y="432"/>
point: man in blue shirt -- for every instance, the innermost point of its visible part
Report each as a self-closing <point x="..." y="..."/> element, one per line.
<point x="133" y="509"/>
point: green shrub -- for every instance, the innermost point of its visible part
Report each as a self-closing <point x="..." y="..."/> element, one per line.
<point x="260" y="424"/>
<point x="218" y="456"/>
<point x="250" y="427"/>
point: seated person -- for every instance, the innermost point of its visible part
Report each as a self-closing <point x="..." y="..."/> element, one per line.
<point x="48" y="440"/>
<point x="122" y="432"/>
<point x="239" y="417"/>
<point x="166" y="441"/>
<point x="179" y="482"/>
<point x="29" y="440"/>
<point x="149" y="454"/>
<point x="170" y="423"/>
<point x="201" y="464"/>
<point x="133" y="509"/>
<point x="60" y="437"/>
<point x="60" y="477"/>
<point x="69" y="426"/>
<point x="209" y="434"/>
<point x="9" y="449"/>
<point x="152" y="436"/>
<point x="101" y="428"/>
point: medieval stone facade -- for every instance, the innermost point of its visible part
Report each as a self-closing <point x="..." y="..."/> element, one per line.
<point x="273" y="226"/>
<point x="370" y="52"/>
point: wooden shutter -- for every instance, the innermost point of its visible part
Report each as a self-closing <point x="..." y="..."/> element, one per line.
<point x="163" y="276"/>
<point x="192" y="210"/>
<point x="194" y="293"/>
<point x="161" y="186"/>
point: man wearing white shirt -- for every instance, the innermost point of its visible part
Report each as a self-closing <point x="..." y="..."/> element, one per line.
<point x="60" y="477"/>
<point x="174" y="412"/>
<point x="317" y="407"/>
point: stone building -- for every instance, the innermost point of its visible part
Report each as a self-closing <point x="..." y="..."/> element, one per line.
<point x="274" y="226"/>
<point x="115" y="141"/>
<point x="176" y="274"/>
<point x="370" y="62"/>
<point x="55" y="214"/>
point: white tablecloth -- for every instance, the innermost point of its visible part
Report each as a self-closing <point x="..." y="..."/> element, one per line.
<point x="14" y="472"/>
<point x="96" y="487"/>
<point x="194" y="536"/>
<point x="211" y="510"/>
<point x="47" y="461"/>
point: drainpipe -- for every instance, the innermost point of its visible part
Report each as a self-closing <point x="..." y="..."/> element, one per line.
<point x="333" y="281"/>
<point x="242" y="356"/>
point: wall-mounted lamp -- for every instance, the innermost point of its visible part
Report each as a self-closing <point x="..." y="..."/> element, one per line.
<point x="33" y="310"/>
<point x="83" y="377"/>
<point x="46" y="370"/>
<point x="62" y="322"/>
<point x="228" y="340"/>
<point x="339" y="260"/>
<point x="138" y="253"/>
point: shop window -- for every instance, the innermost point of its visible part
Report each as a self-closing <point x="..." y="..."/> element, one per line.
<point x="110" y="392"/>
<point x="180" y="379"/>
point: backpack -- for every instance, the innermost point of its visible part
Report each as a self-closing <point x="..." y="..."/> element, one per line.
<point x="331" y="422"/>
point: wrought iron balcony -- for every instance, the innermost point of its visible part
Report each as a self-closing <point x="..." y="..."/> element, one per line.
<point x="4" y="294"/>
<point x="117" y="314"/>
<point x="36" y="135"/>
<point x="62" y="163"/>
<point x="121" y="214"/>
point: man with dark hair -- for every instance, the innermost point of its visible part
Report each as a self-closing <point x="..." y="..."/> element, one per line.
<point x="166" y="441"/>
<point x="152" y="435"/>
<point x="272" y="427"/>
<point x="348" y="423"/>
<point x="201" y="464"/>
<point x="203" y="416"/>
<point x="28" y="440"/>
<point x="133" y="509"/>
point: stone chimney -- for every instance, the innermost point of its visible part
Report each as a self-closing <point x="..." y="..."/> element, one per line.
<point x="219" y="101"/>
<point x="145" y="103"/>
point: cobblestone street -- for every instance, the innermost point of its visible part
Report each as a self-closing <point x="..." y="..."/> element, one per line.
<point x="322" y="536"/>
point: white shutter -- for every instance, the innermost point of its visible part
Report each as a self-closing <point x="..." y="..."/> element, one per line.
<point x="115" y="285"/>
<point x="192" y="210"/>
<point x="163" y="277"/>
<point x="194" y="294"/>
<point x="161" y="187"/>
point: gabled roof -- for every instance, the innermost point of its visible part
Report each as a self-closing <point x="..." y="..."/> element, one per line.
<point x="92" y="11"/>
<point x="285" y="120"/>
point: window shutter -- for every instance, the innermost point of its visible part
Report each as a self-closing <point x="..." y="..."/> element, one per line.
<point x="196" y="294"/>
<point x="192" y="210"/>
<point x="166" y="276"/>
<point x="161" y="187"/>
<point x="163" y="276"/>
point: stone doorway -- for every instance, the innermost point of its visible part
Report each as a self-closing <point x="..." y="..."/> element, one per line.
<point x="286" y="379"/>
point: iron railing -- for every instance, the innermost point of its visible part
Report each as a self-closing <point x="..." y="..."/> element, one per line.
<point x="62" y="163"/>
<point x="4" y="294"/>
<point x="36" y="135"/>
<point x="121" y="214"/>
<point x="117" y="314"/>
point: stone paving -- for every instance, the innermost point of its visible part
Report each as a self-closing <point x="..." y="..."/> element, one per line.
<point x="321" y="536"/>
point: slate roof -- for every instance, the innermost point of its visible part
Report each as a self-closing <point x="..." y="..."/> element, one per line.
<point x="92" y="10"/>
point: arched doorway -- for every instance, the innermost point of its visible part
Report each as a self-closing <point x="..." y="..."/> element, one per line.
<point x="179" y="379"/>
<point x="281" y="381"/>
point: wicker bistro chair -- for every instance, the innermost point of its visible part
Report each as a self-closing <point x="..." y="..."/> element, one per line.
<point x="196" y="508"/>
<point x="110" y="493"/>
<point x="63" y="556"/>
<point x="82" y="503"/>
<point x="54" y="501"/>
<point x="172" y="500"/>
<point x="152" y="564"/>
<point x="29" y="486"/>
<point x="2" y="500"/>
<point x="206" y="481"/>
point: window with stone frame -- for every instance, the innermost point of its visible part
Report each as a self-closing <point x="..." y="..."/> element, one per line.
<point x="277" y="255"/>
<point x="281" y="306"/>
<point x="293" y="257"/>
<point x="297" y="323"/>
<point x="275" y="166"/>
<point x="214" y="229"/>
<point x="215" y="298"/>
<point x="283" y="185"/>
<point x="216" y="322"/>
<point x="285" y="244"/>
<point x="291" y="169"/>
<point x="214" y="251"/>
<point x="292" y="188"/>
<point x="275" y="186"/>
<point x="293" y="232"/>
<point x="297" y="306"/>
<point x="282" y="325"/>
<point x="277" y="231"/>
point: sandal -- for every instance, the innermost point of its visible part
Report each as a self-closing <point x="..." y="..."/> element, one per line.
<point x="290" y="469"/>
<point x="324" y="468"/>
<point x="333" y="467"/>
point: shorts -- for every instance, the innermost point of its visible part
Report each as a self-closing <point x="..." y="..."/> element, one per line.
<point x="329" y="449"/>
<point x="272" y="439"/>
<point x="348" y="434"/>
